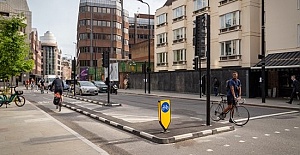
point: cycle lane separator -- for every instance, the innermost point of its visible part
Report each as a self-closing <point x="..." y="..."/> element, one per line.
<point x="151" y="137"/>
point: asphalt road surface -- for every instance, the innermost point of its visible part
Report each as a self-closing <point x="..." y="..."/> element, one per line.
<point x="266" y="133"/>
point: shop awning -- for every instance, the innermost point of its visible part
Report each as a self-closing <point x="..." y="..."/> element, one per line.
<point x="280" y="60"/>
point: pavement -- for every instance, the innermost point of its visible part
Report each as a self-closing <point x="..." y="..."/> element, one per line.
<point x="29" y="130"/>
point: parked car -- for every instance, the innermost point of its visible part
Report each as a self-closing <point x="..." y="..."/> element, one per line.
<point x="101" y="86"/>
<point x="86" y="88"/>
<point x="66" y="86"/>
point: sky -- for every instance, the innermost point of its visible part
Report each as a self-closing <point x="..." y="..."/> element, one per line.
<point x="60" y="18"/>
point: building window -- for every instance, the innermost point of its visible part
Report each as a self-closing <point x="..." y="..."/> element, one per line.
<point x="230" y="21"/>
<point x="162" y="39"/>
<point x="179" y="35"/>
<point x="179" y="56"/>
<point x="298" y="35"/>
<point x="199" y="4"/>
<point x="223" y="2"/>
<point x="161" y="19"/>
<point x="162" y="59"/>
<point x="230" y="48"/>
<point x="178" y="13"/>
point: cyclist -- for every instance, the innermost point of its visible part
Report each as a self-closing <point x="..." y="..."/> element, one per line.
<point x="58" y="87"/>
<point x="233" y="94"/>
<point x="42" y="85"/>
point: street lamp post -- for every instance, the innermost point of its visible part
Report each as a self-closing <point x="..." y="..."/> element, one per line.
<point x="149" y="40"/>
<point x="92" y="52"/>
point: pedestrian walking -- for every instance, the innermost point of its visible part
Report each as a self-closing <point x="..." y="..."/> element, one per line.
<point x="216" y="86"/>
<point x="296" y="89"/>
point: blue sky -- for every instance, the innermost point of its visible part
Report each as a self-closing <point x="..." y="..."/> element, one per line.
<point x="60" y="17"/>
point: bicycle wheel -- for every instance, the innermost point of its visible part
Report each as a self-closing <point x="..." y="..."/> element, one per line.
<point x="215" y="111"/>
<point x="240" y="115"/>
<point x="20" y="102"/>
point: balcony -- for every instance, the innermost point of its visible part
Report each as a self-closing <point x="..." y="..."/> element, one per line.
<point x="179" y="19"/>
<point x="162" y="64"/>
<point x="230" y="61"/>
<point x="181" y="40"/>
<point x="161" y="45"/>
<point x="202" y="10"/>
<point x="230" y="29"/>
<point x="161" y="25"/>
<point x="224" y="2"/>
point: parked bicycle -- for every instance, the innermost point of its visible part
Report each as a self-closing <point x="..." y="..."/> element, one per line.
<point x="16" y="97"/>
<point x="238" y="114"/>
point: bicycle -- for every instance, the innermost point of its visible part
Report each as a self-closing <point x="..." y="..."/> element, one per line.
<point x="17" y="97"/>
<point x="238" y="113"/>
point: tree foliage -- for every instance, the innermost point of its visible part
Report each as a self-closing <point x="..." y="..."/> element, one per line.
<point x="14" y="51"/>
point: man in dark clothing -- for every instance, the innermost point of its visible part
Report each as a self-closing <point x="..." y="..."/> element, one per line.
<point x="58" y="86"/>
<point x="296" y="89"/>
<point x="216" y="86"/>
<point x="233" y="94"/>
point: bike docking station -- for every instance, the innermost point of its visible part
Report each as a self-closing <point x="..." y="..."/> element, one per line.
<point x="164" y="114"/>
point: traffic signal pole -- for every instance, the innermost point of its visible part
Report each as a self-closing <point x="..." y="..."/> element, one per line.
<point x="208" y="71"/>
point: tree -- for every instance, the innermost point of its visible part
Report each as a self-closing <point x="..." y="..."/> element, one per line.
<point x="14" y="51"/>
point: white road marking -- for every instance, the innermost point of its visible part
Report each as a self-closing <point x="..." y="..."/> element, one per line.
<point x="296" y="127"/>
<point x="241" y="141"/>
<point x="263" y="116"/>
<point x="209" y="150"/>
<point x="254" y="137"/>
<point x="267" y="135"/>
<point x="226" y="145"/>
<point x="286" y="129"/>
<point x="237" y="136"/>
<point x="276" y="132"/>
<point x="196" y="118"/>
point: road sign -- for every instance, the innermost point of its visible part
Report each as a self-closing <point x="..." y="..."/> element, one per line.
<point x="164" y="113"/>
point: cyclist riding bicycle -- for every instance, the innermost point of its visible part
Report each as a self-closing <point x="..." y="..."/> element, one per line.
<point x="58" y="88"/>
<point x="233" y="94"/>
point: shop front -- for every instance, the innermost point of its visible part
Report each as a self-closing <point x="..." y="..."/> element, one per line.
<point x="279" y="69"/>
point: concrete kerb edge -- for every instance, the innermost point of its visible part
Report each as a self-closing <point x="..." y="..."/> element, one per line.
<point x="92" y="101"/>
<point x="199" y="99"/>
<point x="151" y="137"/>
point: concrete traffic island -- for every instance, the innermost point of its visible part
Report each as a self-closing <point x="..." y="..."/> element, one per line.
<point x="180" y="129"/>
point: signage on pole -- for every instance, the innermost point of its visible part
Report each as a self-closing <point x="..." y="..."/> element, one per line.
<point x="164" y="113"/>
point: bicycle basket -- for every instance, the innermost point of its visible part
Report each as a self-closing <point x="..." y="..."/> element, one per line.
<point x="19" y="92"/>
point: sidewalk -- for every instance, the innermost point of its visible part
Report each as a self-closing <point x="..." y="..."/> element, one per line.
<point x="28" y="130"/>
<point x="270" y="102"/>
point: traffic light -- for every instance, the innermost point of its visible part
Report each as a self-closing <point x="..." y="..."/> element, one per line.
<point x="105" y="59"/>
<point x="73" y="69"/>
<point x="195" y="63"/>
<point x="200" y="36"/>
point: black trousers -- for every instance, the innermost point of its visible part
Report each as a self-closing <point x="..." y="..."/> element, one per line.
<point x="294" y="94"/>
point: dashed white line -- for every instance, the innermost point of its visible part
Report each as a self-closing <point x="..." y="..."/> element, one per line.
<point x="237" y="136"/>
<point x="267" y="135"/>
<point x="209" y="150"/>
<point x="277" y="132"/>
<point x="286" y="129"/>
<point x="226" y="145"/>
<point x="241" y="141"/>
<point x="254" y="137"/>
<point x="296" y="127"/>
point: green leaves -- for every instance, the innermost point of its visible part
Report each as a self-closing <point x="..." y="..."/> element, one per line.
<point x="14" y="51"/>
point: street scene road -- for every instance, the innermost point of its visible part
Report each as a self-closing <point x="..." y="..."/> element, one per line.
<point x="265" y="134"/>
